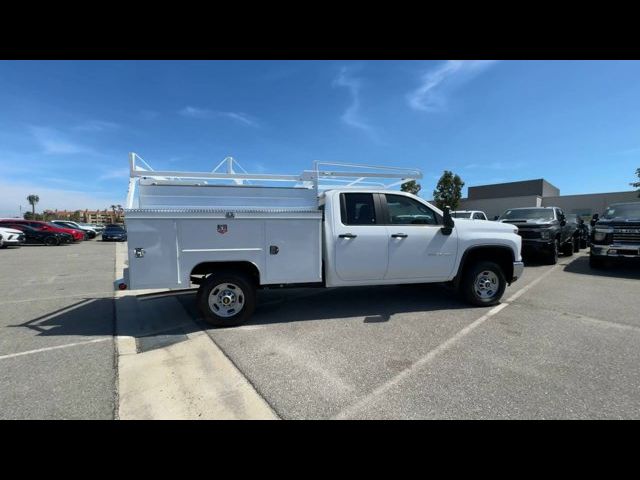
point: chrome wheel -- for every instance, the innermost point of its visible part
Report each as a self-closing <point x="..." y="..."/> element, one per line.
<point x="226" y="299"/>
<point x="486" y="284"/>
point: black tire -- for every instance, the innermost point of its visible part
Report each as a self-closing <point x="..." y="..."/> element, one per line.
<point x="576" y="244"/>
<point x="596" y="262"/>
<point x="552" y="257"/>
<point x="51" y="241"/>
<point x="567" y="248"/>
<point x="583" y="243"/>
<point x="473" y="275"/>
<point x="223" y="281"/>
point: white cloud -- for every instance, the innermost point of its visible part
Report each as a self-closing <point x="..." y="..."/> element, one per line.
<point x="14" y="195"/>
<point x="53" y="143"/>
<point x="194" y="112"/>
<point x="96" y="126"/>
<point x="240" y="117"/>
<point x="352" y="115"/>
<point x="115" y="174"/>
<point x="438" y="83"/>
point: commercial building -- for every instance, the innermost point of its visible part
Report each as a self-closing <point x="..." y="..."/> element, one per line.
<point x="495" y="199"/>
<point x="88" y="216"/>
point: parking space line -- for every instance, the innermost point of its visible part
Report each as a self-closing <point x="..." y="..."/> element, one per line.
<point x="79" y="295"/>
<point x="57" y="347"/>
<point x="444" y="346"/>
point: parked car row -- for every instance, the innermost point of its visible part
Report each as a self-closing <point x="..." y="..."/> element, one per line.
<point x="16" y="231"/>
<point x="548" y="231"/>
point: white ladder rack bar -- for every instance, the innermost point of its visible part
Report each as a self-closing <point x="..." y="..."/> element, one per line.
<point x="354" y="176"/>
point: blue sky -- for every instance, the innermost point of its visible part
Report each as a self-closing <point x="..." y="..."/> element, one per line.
<point x="66" y="126"/>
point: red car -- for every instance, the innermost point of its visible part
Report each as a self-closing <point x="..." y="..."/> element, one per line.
<point x="47" y="227"/>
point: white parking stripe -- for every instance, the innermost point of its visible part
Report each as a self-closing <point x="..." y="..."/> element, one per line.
<point x="68" y="345"/>
<point x="350" y="410"/>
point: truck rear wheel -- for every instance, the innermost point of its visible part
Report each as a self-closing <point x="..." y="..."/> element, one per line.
<point x="576" y="244"/>
<point x="483" y="284"/>
<point x="226" y="299"/>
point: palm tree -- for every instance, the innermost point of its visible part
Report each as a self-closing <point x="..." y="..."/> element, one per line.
<point x="113" y="208"/>
<point x="33" y="199"/>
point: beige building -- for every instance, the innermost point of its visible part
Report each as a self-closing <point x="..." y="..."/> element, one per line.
<point x="495" y="199"/>
<point x="88" y="216"/>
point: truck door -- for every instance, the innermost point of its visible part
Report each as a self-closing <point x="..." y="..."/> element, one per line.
<point x="360" y="239"/>
<point x="417" y="247"/>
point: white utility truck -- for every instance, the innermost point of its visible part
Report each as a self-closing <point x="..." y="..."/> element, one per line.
<point x="231" y="234"/>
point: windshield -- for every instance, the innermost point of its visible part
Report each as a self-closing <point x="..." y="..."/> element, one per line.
<point x="461" y="214"/>
<point x="115" y="228"/>
<point x="528" y="214"/>
<point x="631" y="210"/>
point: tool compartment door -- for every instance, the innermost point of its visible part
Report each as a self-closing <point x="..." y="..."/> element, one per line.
<point x="158" y="265"/>
<point x="293" y="251"/>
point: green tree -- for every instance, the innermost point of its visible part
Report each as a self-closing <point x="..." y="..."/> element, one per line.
<point x="411" y="186"/>
<point x="33" y="199"/>
<point x="448" y="190"/>
<point x="637" y="184"/>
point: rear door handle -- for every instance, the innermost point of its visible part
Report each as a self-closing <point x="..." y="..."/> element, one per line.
<point x="347" y="235"/>
<point x="399" y="235"/>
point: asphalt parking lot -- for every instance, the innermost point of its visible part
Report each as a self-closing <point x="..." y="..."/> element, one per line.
<point x="565" y="343"/>
<point x="568" y="347"/>
<point x="57" y="356"/>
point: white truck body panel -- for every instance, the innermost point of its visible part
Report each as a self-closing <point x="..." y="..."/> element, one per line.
<point x="176" y="241"/>
<point x="175" y="224"/>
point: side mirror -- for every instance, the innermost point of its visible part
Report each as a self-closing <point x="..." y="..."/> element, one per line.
<point x="496" y="218"/>
<point x="447" y="220"/>
<point x="594" y="219"/>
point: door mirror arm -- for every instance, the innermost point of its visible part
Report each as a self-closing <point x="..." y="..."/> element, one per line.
<point x="447" y="221"/>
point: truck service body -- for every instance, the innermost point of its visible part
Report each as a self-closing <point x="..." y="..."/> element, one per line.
<point x="188" y="228"/>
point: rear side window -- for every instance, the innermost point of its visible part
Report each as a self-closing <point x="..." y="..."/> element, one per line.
<point x="407" y="211"/>
<point x="358" y="209"/>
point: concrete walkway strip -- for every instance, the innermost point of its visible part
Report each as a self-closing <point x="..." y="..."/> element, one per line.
<point x="192" y="379"/>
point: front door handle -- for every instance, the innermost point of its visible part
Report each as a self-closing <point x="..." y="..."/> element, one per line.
<point x="347" y="235"/>
<point x="399" y="235"/>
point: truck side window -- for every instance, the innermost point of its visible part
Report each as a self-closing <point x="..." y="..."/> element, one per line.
<point x="404" y="211"/>
<point x="358" y="209"/>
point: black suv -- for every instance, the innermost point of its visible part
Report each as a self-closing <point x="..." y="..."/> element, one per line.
<point x="544" y="231"/>
<point x="615" y="235"/>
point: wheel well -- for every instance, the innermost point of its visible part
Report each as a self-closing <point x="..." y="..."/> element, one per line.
<point x="205" y="269"/>
<point x="501" y="255"/>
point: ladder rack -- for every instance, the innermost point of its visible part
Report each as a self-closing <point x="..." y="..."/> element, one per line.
<point x="323" y="176"/>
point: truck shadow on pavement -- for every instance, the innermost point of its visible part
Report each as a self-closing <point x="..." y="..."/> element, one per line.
<point x="86" y="317"/>
<point x="149" y="321"/>
<point x="629" y="270"/>
<point x="375" y="304"/>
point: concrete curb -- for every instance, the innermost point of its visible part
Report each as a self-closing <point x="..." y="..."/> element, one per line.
<point x="192" y="379"/>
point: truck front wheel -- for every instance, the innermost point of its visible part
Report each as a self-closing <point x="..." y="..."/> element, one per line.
<point x="226" y="299"/>
<point x="483" y="284"/>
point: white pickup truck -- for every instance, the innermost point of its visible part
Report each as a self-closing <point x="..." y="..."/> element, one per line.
<point x="231" y="239"/>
